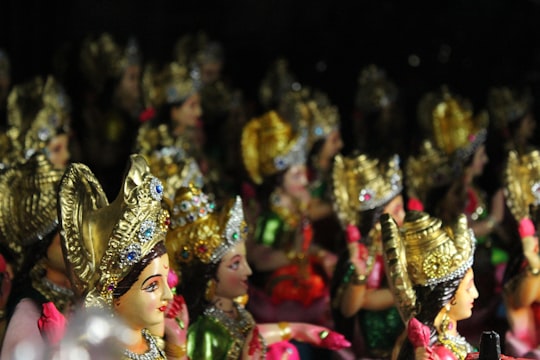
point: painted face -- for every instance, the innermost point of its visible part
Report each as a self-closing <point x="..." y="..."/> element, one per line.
<point x="480" y="159"/>
<point x="233" y="272"/>
<point x="129" y="89"/>
<point x="211" y="72"/>
<point x="58" y="151"/>
<point x="527" y="127"/>
<point x="144" y="304"/>
<point x="187" y="115"/>
<point x="332" y="145"/>
<point x="295" y="183"/>
<point x="464" y="298"/>
<point x="454" y="201"/>
<point x="395" y="208"/>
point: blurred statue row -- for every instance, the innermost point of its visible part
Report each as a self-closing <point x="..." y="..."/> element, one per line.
<point x="251" y="237"/>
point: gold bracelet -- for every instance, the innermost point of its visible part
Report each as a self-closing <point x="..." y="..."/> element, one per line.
<point x="175" y="351"/>
<point x="359" y="279"/>
<point x="285" y="331"/>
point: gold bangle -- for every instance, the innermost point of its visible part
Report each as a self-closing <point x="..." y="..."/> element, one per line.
<point x="175" y="351"/>
<point x="359" y="279"/>
<point x="491" y="222"/>
<point x="285" y="331"/>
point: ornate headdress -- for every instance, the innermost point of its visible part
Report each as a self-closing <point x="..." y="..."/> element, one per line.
<point x="174" y="169"/>
<point x="198" y="49"/>
<point x="37" y="112"/>
<point x="429" y="169"/>
<point x="449" y="120"/>
<point x="506" y="105"/>
<point x="172" y="85"/>
<point x="200" y="234"/>
<point x="28" y="205"/>
<point x="269" y="145"/>
<point x="103" y="241"/>
<point x="361" y="183"/>
<point x="323" y="117"/>
<point x="424" y="253"/>
<point x="277" y="82"/>
<point x="522" y="183"/>
<point x="103" y="58"/>
<point x="375" y="90"/>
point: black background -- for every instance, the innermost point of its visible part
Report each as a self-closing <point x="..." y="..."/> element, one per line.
<point x="491" y="42"/>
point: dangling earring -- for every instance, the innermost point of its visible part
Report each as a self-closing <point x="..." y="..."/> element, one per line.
<point x="446" y="324"/>
<point x="210" y="290"/>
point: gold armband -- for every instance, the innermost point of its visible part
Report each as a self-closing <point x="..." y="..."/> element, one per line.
<point x="175" y="351"/>
<point x="285" y="331"/>
<point x="359" y="279"/>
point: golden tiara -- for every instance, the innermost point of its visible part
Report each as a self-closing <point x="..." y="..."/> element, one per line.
<point x="103" y="241"/>
<point x="198" y="232"/>
<point x="522" y="183"/>
<point x="424" y="253"/>
<point x="362" y="183"/>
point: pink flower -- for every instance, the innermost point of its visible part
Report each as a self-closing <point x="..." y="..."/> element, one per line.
<point x="52" y="324"/>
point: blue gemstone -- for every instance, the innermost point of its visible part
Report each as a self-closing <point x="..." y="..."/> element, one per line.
<point x="185" y="254"/>
<point x="131" y="255"/>
<point x="159" y="189"/>
<point x="148" y="233"/>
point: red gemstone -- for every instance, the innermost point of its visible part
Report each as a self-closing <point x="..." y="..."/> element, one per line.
<point x="367" y="197"/>
<point x="202" y="248"/>
<point x="167" y="221"/>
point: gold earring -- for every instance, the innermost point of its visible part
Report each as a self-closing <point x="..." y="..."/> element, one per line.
<point x="210" y="290"/>
<point x="445" y="320"/>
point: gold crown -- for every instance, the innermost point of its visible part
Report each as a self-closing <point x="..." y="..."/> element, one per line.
<point x="103" y="58"/>
<point x="174" y="169"/>
<point x="522" y="183"/>
<point x="449" y="120"/>
<point x="103" y="241"/>
<point x="506" y="105"/>
<point x="429" y="169"/>
<point x="361" y="183"/>
<point x="375" y="91"/>
<point x="197" y="48"/>
<point x="28" y="204"/>
<point x="200" y="234"/>
<point x="37" y="112"/>
<point x="324" y="117"/>
<point x="424" y="253"/>
<point x="277" y="82"/>
<point x="5" y="66"/>
<point x="269" y="145"/>
<point x="171" y="85"/>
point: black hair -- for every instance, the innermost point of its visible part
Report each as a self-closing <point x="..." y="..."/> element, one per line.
<point x="429" y="302"/>
<point x="127" y="282"/>
<point x="195" y="277"/>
